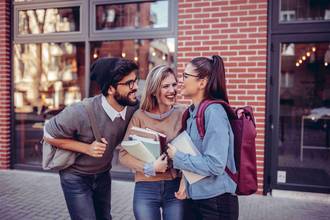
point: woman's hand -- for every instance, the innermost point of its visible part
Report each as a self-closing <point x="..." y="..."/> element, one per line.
<point x="160" y="164"/>
<point x="171" y="150"/>
<point x="181" y="193"/>
<point x="97" y="149"/>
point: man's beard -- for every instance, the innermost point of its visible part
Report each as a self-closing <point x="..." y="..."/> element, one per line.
<point x="125" y="100"/>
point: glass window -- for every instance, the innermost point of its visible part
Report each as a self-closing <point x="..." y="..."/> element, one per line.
<point x="132" y="15"/>
<point x="47" y="77"/>
<point x="304" y="129"/>
<point x="51" y="20"/>
<point x="147" y="53"/>
<point x="304" y="10"/>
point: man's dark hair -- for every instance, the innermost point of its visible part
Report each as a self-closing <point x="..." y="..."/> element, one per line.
<point x="109" y="71"/>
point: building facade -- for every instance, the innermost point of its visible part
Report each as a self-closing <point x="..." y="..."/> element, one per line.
<point x="276" y="57"/>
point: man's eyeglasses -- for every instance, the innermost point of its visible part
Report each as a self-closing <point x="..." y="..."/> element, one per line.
<point x="129" y="83"/>
<point x="185" y="75"/>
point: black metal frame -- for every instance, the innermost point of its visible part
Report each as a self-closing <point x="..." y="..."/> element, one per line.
<point x="85" y="35"/>
<point x="277" y="34"/>
<point x="295" y="27"/>
<point x="75" y="36"/>
<point x="100" y="35"/>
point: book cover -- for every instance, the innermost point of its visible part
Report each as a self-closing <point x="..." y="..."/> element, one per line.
<point x="184" y="144"/>
<point x="152" y="145"/>
<point x="143" y="132"/>
<point x="138" y="150"/>
<point x="143" y="143"/>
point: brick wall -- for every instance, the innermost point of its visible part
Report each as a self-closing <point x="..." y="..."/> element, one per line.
<point x="237" y="31"/>
<point x="5" y="83"/>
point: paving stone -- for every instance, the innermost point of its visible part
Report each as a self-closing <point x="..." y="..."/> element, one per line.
<point x="27" y="195"/>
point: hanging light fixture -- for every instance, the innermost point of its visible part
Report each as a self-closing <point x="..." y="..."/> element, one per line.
<point x="95" y="54"/>
<point x="327" y="56"/>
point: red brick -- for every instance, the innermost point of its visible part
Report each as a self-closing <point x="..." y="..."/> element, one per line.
<point x="211" y="9"/>
<point x="201" y="4"/>
<point x="5" y="74"/>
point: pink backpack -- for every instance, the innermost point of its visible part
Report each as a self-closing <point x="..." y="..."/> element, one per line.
<point x="244" y="129"/>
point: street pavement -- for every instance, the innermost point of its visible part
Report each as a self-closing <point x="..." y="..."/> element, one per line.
<point x="27" y="195"/>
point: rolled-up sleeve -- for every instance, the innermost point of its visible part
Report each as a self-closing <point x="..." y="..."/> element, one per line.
<point x="215" y="145"/>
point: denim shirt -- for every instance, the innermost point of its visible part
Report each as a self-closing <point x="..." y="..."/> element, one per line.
<point x="217" y="152"/>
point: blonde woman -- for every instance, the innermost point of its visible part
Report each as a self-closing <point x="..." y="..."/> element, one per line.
<point x="156" y="184"/>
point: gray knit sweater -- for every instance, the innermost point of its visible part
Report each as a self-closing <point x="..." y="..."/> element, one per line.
<point x="73" y="123"/>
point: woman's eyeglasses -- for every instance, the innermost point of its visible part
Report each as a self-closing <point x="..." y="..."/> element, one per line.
<point x="186" y="75"/>
<point x="129" y="83"/>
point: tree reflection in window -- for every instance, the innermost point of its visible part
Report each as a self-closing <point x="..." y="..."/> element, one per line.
<point x="51" y="20"/>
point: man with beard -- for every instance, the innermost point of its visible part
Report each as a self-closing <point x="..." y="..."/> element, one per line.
<point x="87" y="183"/>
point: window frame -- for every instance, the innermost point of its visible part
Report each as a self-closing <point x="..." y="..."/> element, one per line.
<point x="74" y="36"/>
<point x="83" y="36"/>
<point x="294" y="27"/>
<point x="282" y="33"/>
<point x="120" y="34"/>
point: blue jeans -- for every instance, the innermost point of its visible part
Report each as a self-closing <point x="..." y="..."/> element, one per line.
<point x="87" y="196"/>
<point x="149" y="197"/>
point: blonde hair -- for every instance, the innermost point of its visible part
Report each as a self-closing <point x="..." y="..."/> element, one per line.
<point x="152" y="86"/>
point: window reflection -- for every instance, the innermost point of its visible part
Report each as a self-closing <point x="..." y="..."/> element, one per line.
<point x="146" y="53"/>
<point x="132" y="15"/>
<point x="304" y="10"/>
<point x="47" y="77"/>
<point x="304" y="144"/>
<point x="51" y="20"/>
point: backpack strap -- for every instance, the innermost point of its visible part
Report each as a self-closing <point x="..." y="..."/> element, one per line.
<point x="92" y="120"/>
<point x="200" y="118"/>
<point x="184" y="119"/>
<point x="200" y="122"/>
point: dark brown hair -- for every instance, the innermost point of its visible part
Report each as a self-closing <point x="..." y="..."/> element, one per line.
<point x="109" y="71"/>
<point x="214" y="70"/>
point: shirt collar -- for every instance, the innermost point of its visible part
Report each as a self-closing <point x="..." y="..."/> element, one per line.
<point x="111" y="112"/>
<point x="193" y="110"/>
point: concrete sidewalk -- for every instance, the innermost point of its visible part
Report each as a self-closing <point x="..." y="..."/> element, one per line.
<point x="35" y="196"/>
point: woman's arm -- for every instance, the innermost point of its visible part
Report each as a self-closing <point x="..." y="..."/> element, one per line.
<point x="213" y="159"/>
<point x="131" y="162"/>
<point x="181" y="193"/>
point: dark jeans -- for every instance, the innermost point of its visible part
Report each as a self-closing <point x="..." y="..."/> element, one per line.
<point x="222" y="207"/>
<point x="87" y="196"/>
<point x="149" y="197"/>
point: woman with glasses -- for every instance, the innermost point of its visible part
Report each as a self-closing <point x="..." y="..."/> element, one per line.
<point x="213" y="196"/>
<point x="156" y="183"/>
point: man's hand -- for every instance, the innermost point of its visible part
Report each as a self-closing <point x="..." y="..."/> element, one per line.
<point x="96" y="149"/>
<point x="160" y="164"/>
<point x="171" y="150"/>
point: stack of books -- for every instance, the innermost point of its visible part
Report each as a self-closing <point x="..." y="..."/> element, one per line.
<point x="145" y="144"/>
